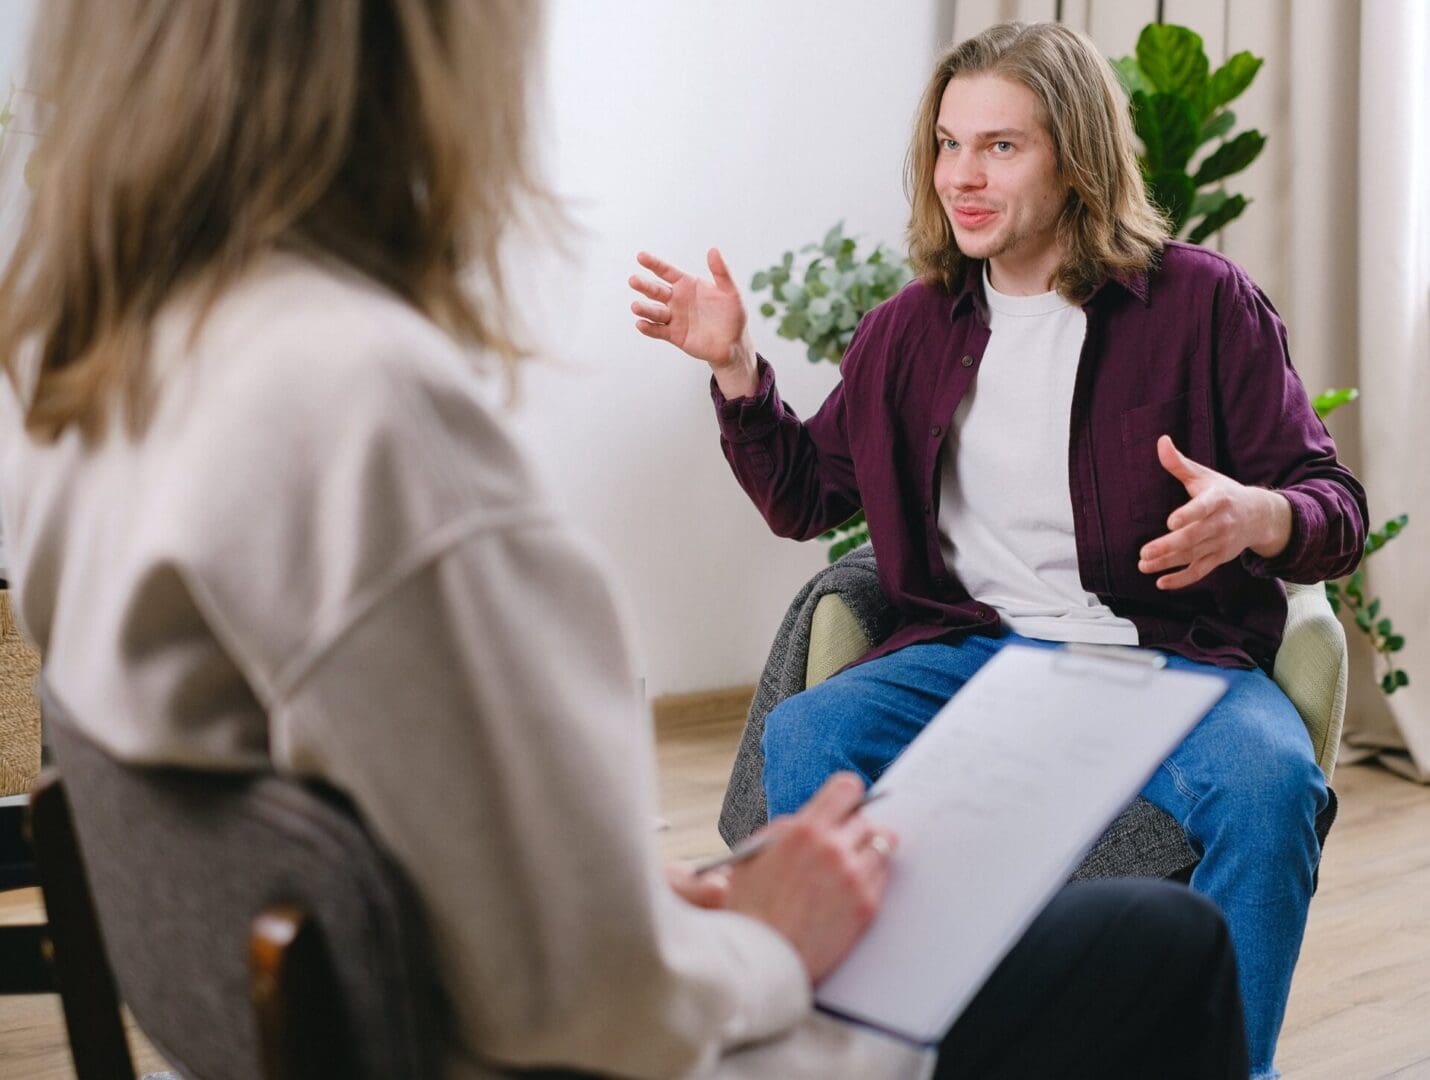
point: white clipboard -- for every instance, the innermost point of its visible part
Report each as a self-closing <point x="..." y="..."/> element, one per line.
<point x="995" y="804"/>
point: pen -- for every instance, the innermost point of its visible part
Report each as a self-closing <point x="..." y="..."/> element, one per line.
<point x="751" y="847"/>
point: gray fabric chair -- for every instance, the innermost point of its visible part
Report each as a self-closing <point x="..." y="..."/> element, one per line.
<point x="841" y="612"/>
<point x="181" y="862"/>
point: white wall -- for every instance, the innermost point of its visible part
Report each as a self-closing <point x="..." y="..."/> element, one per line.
<point x="749" y="125"/>
<point x="15" y="16"/>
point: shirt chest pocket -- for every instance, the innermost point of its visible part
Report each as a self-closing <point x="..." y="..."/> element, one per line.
<point x="1152" y="492"/>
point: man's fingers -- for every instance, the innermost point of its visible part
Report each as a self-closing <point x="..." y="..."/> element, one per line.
<point x="659" y="331"/>
<point x="659" y="267"/>
<point x="1190" y="576"/>
<point x="656" y="313"/>
<point x="1177" y="463"/>
<point x="656" y="290"/>
<point x="718" y="270"/>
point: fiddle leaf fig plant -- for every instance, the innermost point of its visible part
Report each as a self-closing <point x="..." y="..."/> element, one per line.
<point x="1179" y="107"/>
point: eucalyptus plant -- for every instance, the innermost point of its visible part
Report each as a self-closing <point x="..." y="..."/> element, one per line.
<point x="819" y="300"/>
<point x="821" y="297"/>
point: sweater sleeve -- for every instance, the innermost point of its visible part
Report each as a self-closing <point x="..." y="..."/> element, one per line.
<point x="482" y="712"/>
<point x="1272" y="437"/>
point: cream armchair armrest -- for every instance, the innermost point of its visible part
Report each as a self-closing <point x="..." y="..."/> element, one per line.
<point x="1311" y="668"/>
<point x="835" y="639"/>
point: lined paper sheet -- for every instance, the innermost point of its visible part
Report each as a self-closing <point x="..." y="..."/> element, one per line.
<point x="994" y="804"/>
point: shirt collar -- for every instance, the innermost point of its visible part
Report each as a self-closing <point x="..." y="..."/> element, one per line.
<point x="971" y="292"/>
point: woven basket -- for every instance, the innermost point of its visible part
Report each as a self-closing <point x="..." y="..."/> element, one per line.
<point x="19" y="708"/>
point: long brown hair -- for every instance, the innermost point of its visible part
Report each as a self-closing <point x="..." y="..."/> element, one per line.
<point x="1108" y="228"/>
<point x="190" y="137"/>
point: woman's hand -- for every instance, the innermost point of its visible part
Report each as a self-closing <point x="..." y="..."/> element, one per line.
<point x="821" y="880"/>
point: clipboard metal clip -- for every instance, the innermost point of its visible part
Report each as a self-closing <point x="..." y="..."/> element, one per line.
<point x="1138" y="664"/>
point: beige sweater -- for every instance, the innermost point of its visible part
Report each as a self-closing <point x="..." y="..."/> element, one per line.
<point x="326" y="556"/>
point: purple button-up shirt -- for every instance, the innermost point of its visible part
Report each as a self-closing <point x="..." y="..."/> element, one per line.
<point x="1193" y="350"/>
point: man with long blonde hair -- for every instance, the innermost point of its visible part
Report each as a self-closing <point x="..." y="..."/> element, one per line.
<point x="1070" y="428"/>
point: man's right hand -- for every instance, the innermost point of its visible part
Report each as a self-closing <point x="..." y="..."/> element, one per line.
<point x="820" y="881"/>
<point x="704" y="317"/>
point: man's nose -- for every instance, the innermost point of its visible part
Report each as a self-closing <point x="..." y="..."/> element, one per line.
<point x="967" y="171"/>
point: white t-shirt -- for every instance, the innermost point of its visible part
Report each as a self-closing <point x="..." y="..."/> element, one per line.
<point x="1005" y="516"/>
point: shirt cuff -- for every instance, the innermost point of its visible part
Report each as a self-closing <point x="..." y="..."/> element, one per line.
<point x="747" y="419"/>
<point x="1308" y="528"/>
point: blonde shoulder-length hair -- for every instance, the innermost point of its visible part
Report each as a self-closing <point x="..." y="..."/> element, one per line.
<point x="1108" y="228"/>
<point x="190" y="137"/>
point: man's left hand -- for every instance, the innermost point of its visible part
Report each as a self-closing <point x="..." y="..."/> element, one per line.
<point x="1221" y="520"/>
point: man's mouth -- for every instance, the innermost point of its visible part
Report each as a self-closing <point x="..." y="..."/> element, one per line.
<point x="971" y="217"/>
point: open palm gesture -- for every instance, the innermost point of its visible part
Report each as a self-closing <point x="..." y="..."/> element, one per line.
<point x="1220" y="520"/>
<point x="704" y="317"/>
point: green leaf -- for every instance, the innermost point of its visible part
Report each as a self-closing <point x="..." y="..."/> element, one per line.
<point x="1208" y="201"/>
<point x="1394" y="643"/>
<point x="1167" y="126"/>
<point x="767" y="310"/>
<point x="1216" y="127"/>
<point x="1222" y="216"/>
<point x="833" y="239"/>
<point x="1374" y="610"/>
<point x="1401" y="679"/>
<point x="1172" y="59"/>
<point x="1173" y="192"/>
<point x="1230" y="157"/>
<point x="759" y="281"/>
<point x="1363" y="620"/>
<point x="1129" y="73"/>
<point x="1229" y="80"/>
<point x="1387" y="682"/>
<point x="1328" y="401"/>
<point x="793" y="326"/>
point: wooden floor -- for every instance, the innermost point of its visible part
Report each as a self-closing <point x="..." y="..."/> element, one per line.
<point x="1360" y="1003"/>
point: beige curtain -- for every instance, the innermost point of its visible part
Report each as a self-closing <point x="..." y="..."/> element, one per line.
<point x="1392" y="289"/>
<point x="1340" y="239"/>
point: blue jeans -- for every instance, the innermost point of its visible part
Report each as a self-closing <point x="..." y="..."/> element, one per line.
<point x="1244" y="785"/>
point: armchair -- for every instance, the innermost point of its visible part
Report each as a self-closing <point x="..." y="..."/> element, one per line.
<point x="841" y="613"/>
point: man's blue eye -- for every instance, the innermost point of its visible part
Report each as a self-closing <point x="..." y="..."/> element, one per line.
<point x="1003" y="146"/>
<point x="948" y="144"/>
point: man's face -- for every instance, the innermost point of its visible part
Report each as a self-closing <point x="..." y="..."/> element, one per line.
<point x="996" y="173"/>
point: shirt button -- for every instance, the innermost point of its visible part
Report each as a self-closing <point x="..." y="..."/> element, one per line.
<point x="967" y="361"/>
<point x="937" y="431"/>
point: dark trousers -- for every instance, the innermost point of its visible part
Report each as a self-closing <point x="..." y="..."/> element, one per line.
<point x="1129" y="978"/>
